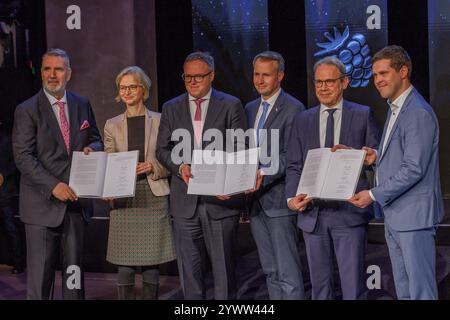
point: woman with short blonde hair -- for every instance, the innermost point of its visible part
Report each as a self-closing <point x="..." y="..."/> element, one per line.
<point x="140" y="234"/>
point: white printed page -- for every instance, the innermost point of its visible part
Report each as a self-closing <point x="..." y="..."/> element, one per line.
<point x="241" y="171"/>
<point x="314" y="172"/>
<point x="343" y="175"/>
<point x="208" y="169"/>
<point x="120" y="176"/>
<point x="87" y="173"/>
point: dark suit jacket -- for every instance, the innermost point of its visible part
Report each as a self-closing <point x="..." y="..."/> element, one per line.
<point x="42" y="159"/>
<point x="358" y="129"/>
<point x="271" y="195"/>
<point x="224" y="112"/>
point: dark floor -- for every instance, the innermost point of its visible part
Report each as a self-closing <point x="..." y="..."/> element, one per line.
<point x="100" y="278"/>
<point x="101" y="286"/>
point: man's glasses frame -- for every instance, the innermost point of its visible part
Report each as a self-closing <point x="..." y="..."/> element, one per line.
<point x="328" y="82"/>
<point x="198" y="77"/>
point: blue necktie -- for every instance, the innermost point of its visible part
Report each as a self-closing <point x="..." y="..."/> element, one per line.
<point x="262" y="119"/>
<point x="329" y="137"/>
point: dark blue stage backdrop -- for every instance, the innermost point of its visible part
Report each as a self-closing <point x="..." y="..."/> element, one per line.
<point x="233" y="32"/>
<point x="353" y="31"/>
<point x="439" y="50"/>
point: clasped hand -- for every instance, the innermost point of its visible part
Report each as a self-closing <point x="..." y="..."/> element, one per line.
<point x="144" y="168"/>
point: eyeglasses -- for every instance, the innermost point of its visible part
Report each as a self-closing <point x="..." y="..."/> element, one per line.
<point x="328" y="82"/>
<point x="197" y="77"/>
<point x="133" y="88"/>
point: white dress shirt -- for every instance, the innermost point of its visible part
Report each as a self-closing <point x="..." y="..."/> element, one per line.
<point x="55" y="106"/>
<point x="337" y="116"/>
<point x="192" y="108"/>
<point x="271" y="101"/>
<point x="204" y="106"/>
<point x="396" y="107"/>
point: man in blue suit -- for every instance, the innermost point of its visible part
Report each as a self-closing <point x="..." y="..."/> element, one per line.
<point x="407" y="187"/>
<point x="331" y="228"/>
<point x="273" y="225"/>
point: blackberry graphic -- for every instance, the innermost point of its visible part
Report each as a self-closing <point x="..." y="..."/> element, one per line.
<point x="354" y="54"/>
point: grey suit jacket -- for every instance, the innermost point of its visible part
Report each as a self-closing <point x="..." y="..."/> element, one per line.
<point x="42" y="159"/>
<point x="271" y="196"/>
<point x="224" y="112"/>
<point x="408" y="185"/>
<point x="358" y="129"/>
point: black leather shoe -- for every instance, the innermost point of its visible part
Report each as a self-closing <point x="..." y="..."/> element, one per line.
<point x="17" y="270"/>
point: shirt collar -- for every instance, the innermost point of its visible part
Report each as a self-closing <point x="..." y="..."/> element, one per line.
<point x="206" y="97"/>
<point x="397" y="104"/>
<point x="53" y="100"/>
<point x="273" y="98"/>
<point x="338" y="106"/>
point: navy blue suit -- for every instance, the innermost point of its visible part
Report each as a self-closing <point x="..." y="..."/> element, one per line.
<point x="273" y="225"/>
<point x="332" y="226"/>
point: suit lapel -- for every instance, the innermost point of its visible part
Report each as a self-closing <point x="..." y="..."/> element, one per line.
<point x="383" y="136"/>
<point x="186" y="119"/>
<point x="253" y="111"/>
<point x="394" y="128"/>
<point x="214" y="109"/>
<point x="49" y="115"/>
<point x="148" y="130"/>
<point x="72" y="104"/>
<point x="315" y="129"/>
<point x="275" y="111"/>
<point x="123" y="133"/>
<point x="346" y="122"/>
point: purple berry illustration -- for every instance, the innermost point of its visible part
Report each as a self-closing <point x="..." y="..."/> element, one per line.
<point x="354" y="53"/>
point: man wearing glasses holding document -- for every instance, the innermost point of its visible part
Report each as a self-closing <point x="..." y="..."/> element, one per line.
<point x="203" y="225"/>
<point x="331" y="228"/>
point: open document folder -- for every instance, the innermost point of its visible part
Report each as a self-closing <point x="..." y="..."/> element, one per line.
<point x="331" y="175"/>
<point x="104" y="175"/>
<point x="220" y="173"/>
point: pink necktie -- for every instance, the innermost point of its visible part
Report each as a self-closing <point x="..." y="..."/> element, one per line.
<point x="198" y="121"/>
<point x="64" y="125"/>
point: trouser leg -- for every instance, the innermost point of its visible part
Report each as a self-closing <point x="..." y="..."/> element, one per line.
<point x="42" y="244"/>
<point x="191" y="255"/>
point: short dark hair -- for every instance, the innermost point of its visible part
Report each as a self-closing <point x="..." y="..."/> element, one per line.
<point x="55" y="52"/>
<point x="206" y="57"/>
<point x="273" y="56"/>
<point x="398" y="58"/>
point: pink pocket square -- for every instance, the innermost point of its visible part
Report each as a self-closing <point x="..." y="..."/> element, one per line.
<point x="85" y="125"/>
